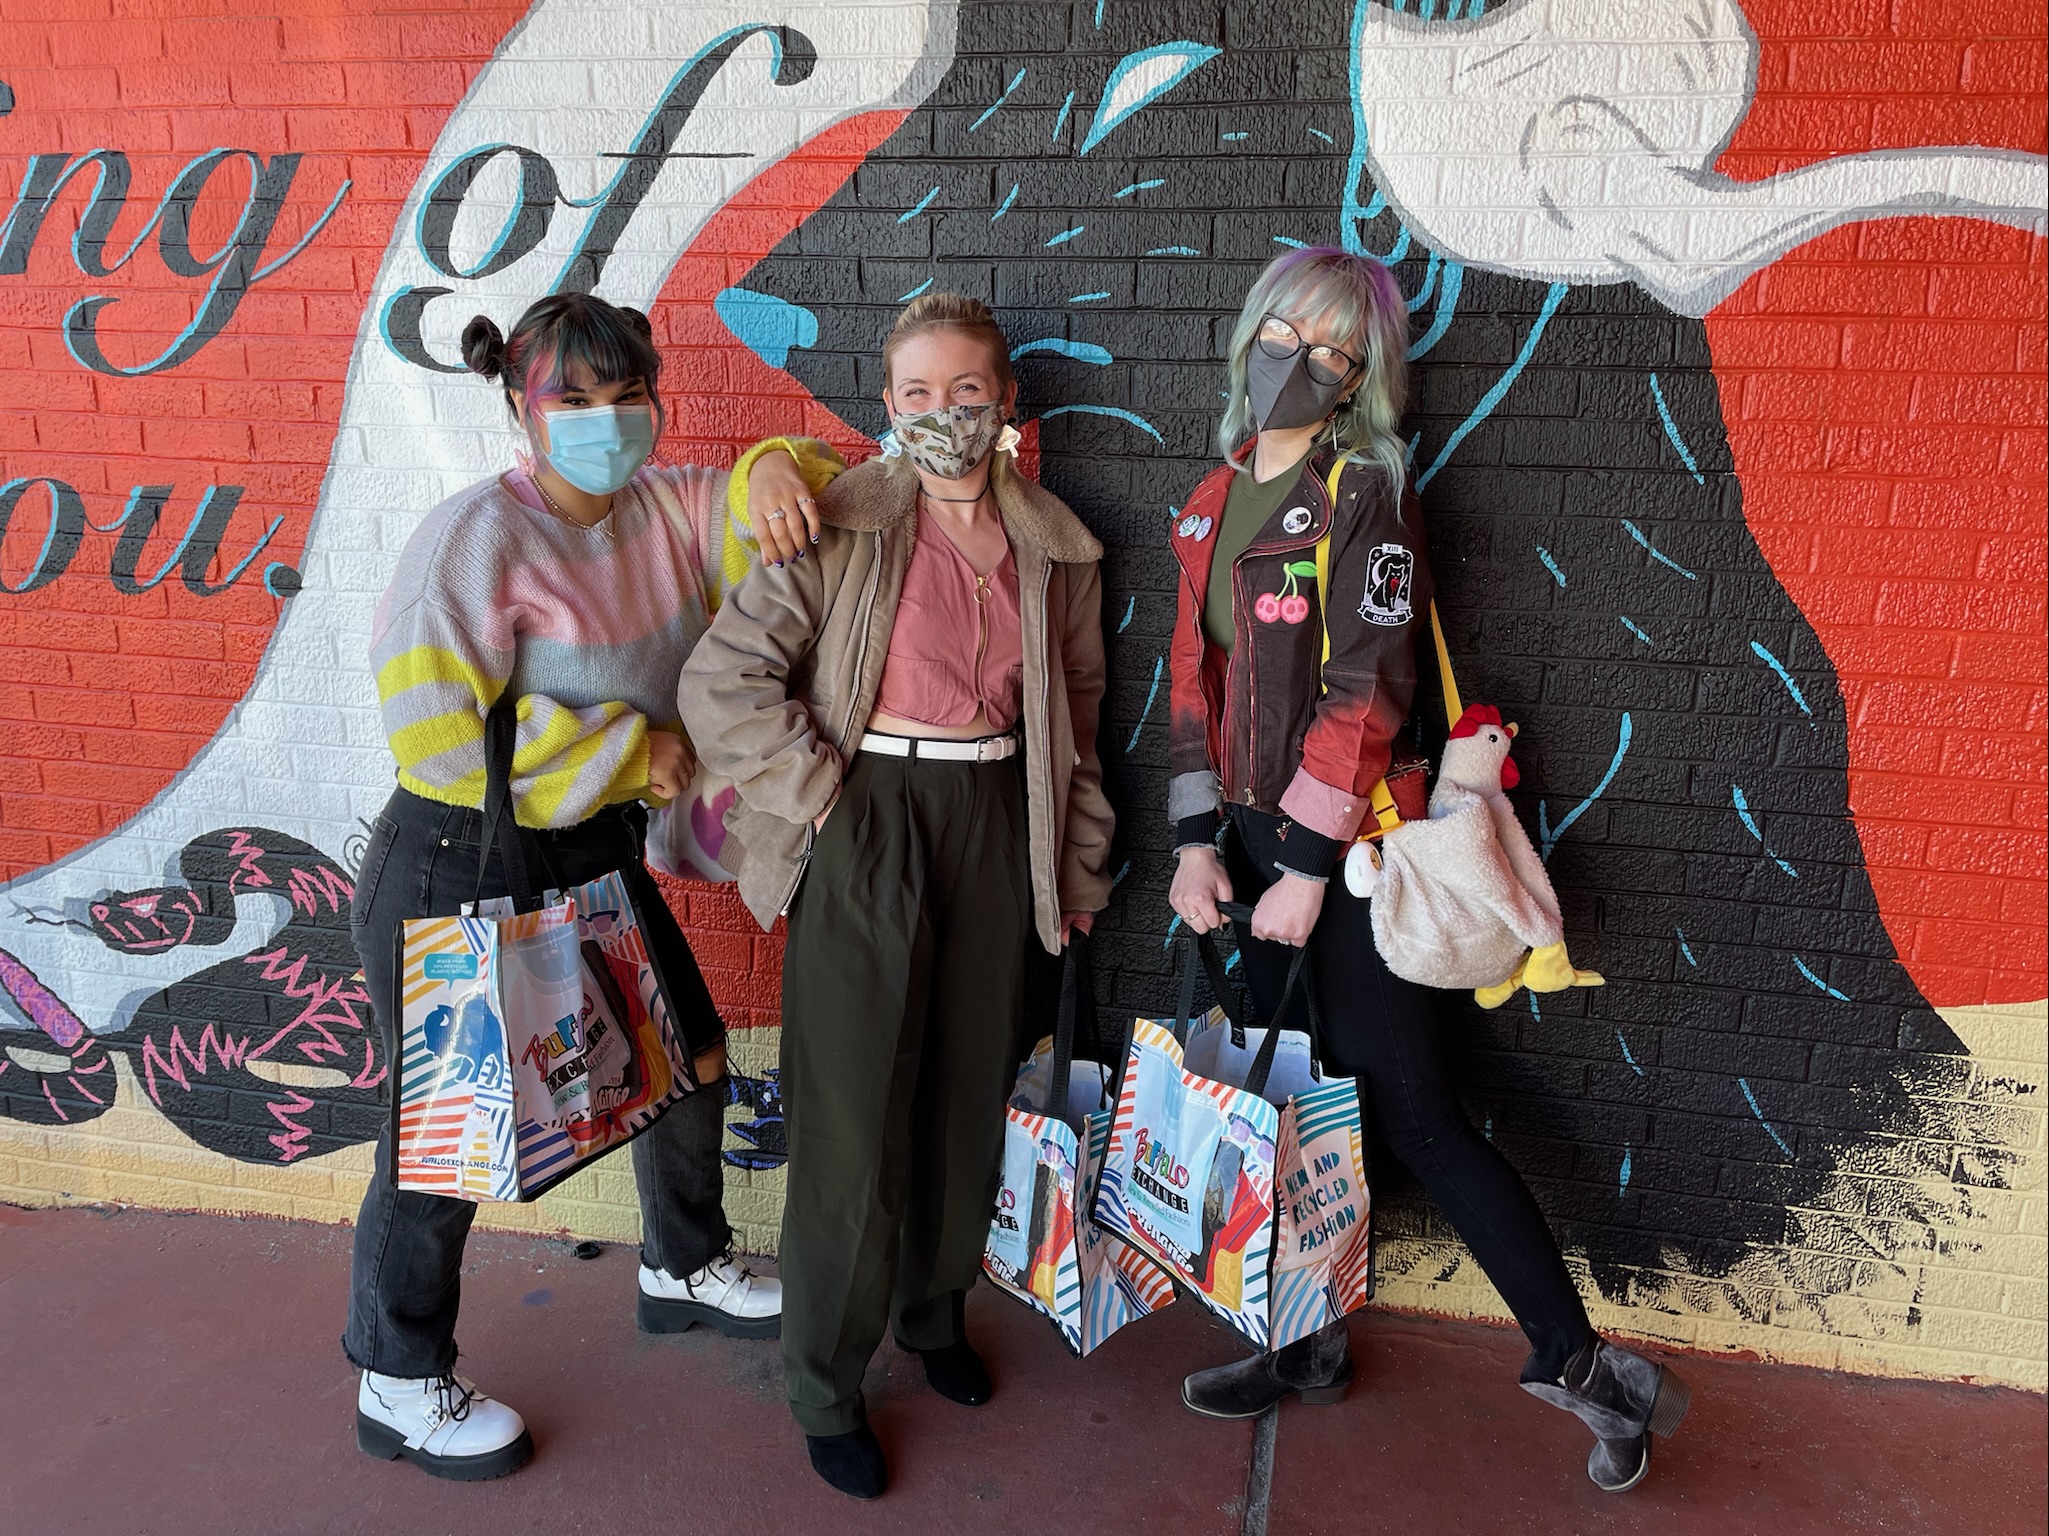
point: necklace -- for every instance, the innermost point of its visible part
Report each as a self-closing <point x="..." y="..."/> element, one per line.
<point x="603" y="524"/>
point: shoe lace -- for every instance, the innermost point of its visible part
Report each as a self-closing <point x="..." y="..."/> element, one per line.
<point x="452" y="1397"/>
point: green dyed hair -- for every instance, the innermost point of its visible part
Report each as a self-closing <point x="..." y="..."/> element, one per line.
<point x="1359" y="296"/>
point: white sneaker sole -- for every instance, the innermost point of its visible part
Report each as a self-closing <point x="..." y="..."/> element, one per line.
<point x="382" y="1441"/>
<point x="664" y="1314"/>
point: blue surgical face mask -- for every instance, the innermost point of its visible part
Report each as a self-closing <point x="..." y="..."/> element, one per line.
<point x="597" y="448"/>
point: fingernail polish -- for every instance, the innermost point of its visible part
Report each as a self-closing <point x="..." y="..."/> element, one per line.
<point x="800" y="554"/>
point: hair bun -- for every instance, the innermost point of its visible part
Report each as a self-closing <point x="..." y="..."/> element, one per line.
<point x="638" y="321"/>
<point x="483" y="349"/>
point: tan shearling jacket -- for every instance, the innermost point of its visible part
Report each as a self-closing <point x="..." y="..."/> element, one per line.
<point x="778" y="691"/>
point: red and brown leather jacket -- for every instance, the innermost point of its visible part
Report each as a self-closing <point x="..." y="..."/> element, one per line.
<point x="1276" y="726"/>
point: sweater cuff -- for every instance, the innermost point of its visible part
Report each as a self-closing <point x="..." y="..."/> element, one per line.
<point x="1308" y="853"/>
<point x="1197" y="831"/>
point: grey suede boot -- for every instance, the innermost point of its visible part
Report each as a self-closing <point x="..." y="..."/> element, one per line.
<point x="1624" y="1399"/>
<point x="1319" y="1368"/>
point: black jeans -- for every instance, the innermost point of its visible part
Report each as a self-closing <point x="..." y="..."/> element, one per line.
<point x="1382" y="1031"/>
<point x="405" y="1281"/>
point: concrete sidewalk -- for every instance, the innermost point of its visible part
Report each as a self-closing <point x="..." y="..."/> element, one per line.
<point x="165" y="1375"/>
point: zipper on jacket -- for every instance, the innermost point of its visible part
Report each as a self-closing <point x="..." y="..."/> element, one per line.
<point x="1239" y="606"/>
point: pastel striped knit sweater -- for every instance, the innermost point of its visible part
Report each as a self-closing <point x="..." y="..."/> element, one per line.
<point x="589" y="632"/>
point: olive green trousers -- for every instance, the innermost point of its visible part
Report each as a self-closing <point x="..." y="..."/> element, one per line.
<point x="902" y="1005"/>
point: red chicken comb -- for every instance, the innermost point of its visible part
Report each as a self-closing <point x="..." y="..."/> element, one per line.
<point x="1475" y="716"/>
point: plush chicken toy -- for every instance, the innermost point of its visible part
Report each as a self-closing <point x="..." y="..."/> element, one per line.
<point x="1462" y="900"/>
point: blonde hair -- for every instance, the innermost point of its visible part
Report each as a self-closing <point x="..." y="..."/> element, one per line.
<point x="949" y="312"/>
<point x="1361" y="299"/>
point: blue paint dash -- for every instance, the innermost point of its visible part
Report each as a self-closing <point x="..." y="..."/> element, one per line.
<point x="1130" y="608"/>
<point x="1549" y="835"/>
<point x="1009" y="198"/>
<point x="1750" y="825"/>
<point x="1089" y="298"/>
<point x="1500" y="388"/>
<point x="1744" y="1084"/>
<point x="1785" y="677"/>
<point x="1141" y="186"/>
<point x="923" y="203"/>
<point x="999" y="101"/>
<point x="1801" y="966"/>
<point x="1173" y="250"/>
<point x="1172" y="929"/>
<point x="1623" y="1177"/>
<point x="1159" y="670"/>
<point x="1108" y="410"/>
<point x="1118" y="878"/>
<point x="1060" y="122"/>
<point x="905" y="298"/>
<point x="1686" y="949"/>
<point x="1066" y="235"/>
<point x="1630" y="625"/>
<point x="1550" y="565"/>
<point x="1320" y="134"/>
<point x="1233" y="138"/>
<point x="1536" y="1012"/>
<point x="1293" y="245"/>
<point x="1236" y="956"/>
<point x="1080" y="351"/>
<point x="1637" y="534"/>
<point x="1672" y="432"/>
<point x="1626" y="1056"/>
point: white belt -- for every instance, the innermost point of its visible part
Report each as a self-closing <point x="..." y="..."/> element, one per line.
<point x="989" y="749"/>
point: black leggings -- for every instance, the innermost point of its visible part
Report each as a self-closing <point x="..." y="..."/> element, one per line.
<point x="1383" y="1031"/>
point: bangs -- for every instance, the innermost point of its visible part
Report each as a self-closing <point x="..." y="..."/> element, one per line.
<point x="1319" y="292"/>
<point x="576" y="341"/>
<point x="588" y="356"/>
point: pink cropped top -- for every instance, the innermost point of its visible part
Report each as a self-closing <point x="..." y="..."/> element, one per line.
<point x="958" y="643"/>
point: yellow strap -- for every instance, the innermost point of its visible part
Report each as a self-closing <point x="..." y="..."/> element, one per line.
<point x="1452" y="708"/>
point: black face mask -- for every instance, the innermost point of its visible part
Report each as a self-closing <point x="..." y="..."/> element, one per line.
<point x="1283" y="395"/>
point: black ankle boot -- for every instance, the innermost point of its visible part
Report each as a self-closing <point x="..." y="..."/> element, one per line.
<point x="955" y="1372"/>
<point x="851" y="1462"/>
<point x="1319" y="1368"/>
<point x="1624" y="1399"/>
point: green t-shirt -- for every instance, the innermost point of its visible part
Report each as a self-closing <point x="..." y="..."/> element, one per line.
<point x="1246" y="508"/>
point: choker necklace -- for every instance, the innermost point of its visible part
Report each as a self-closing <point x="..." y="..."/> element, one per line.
<point x="602" y="525"/>
<point x="955" y="501"/>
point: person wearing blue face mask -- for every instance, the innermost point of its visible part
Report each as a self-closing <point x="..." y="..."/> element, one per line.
<point x="574" y="585"/>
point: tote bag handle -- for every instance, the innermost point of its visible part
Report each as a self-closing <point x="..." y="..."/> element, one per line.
<point x="501" y="821"/>
<point x="1240" y="913"/>
<point x="1077" y="1004"/>
<point x="1204" y="946"/>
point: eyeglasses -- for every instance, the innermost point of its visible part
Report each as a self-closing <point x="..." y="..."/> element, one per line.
<point x="1327" y="365"/>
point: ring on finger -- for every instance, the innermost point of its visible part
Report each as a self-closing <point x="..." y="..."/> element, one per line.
<point x="777" y="515"/>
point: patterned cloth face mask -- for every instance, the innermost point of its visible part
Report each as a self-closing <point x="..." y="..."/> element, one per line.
<point x="949" y="443"/>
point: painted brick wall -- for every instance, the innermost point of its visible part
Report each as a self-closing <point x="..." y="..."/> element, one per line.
<point x="1742" y="519"/>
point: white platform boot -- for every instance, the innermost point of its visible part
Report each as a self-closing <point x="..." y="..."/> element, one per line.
<point x="725" y="1293"/>
<point x="441" y="1424"/>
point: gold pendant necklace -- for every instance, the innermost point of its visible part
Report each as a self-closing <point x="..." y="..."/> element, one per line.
<point x="602" y="525"/>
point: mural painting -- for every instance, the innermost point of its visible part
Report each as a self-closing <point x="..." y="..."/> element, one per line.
<point x="1729" y="429"/>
